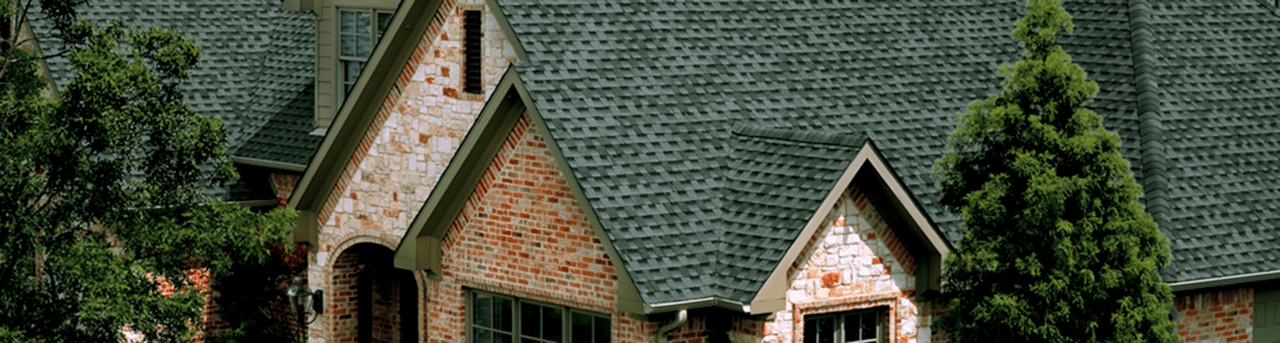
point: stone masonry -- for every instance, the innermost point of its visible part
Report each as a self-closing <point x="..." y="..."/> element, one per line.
<point x="854" y="263"/>
<point x="413" y="136"/>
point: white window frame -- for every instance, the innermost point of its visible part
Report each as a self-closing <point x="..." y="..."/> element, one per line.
<point x="516" y="334"/>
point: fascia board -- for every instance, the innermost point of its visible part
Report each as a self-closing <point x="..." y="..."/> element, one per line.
<point x="916" y="214"/>
<point x="506" y="28"/>
<point x="359" y="110"/>
<point x="269" y="164"/>
<point x="772" y="295"/>
<point x="1233" y="280"/>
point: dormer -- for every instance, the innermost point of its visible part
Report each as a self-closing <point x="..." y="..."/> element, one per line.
<point x="346" y="33"/>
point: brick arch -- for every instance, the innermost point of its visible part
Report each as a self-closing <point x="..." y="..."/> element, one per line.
<point x="353" y="239"/>
<point x="369" y="300"/>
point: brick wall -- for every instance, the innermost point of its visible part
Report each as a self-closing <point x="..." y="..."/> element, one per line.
<point x="854" y="263"/>
<point x="283" y="185"/>
<point x="1215" y="316"/>
<point x="413" y="136"/>
<point x="524" y="234"/>
<point x="715" y="328"/>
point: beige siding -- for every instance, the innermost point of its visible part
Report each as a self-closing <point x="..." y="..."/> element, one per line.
<point x="328" y="86"/>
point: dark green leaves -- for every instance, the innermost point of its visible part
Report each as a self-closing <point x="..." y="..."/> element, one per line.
<point x="1057" y="247"/>
<point x="101" y="198"/>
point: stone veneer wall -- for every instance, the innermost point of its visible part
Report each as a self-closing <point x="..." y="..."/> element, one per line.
<point x="413" y="136"/>
<point x="855" y="262"/>
<point x="1224" y="315"/>
<point x="523" y="233"/>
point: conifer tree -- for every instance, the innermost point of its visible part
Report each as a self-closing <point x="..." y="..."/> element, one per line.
<point x="1057" y="247"/>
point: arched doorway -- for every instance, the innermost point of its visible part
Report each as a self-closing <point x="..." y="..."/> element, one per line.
<point x="371" y="300"/>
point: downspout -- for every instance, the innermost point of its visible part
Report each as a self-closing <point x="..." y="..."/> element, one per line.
<point x="681" y="318"/>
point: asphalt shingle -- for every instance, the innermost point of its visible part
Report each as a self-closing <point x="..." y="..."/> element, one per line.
<point x="256" y="74"/>
<point x="641" y="96"/>
<point x="1219" y="75"/>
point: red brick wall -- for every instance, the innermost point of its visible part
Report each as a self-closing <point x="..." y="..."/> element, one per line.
<point x="1215" y="316"/>
<point x="524" y="234"/>
<point x="283" y="185"/>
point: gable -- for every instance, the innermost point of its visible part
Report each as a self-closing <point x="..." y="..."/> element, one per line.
<point x="855" y="261"/>
<point x="394" y="135"/>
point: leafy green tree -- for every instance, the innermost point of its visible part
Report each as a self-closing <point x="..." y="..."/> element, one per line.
<point x="101" y="201"/>
<point x="1057" y="247"/>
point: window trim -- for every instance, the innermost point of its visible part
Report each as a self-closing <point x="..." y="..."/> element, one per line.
<point x="839" y="316"/>
<point x="566" y="318"/>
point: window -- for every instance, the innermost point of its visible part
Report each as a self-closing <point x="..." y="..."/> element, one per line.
<point x="471" y="71"/>
<point x="847" y="327"/>
<point x="502" y="319"/>
<point x="358" y="33"/>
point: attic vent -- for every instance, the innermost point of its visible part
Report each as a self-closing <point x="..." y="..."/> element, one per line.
<point x="471" y="83"/>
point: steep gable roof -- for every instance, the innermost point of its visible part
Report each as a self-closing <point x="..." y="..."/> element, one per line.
<point x="257" y="71"/>
<point x="773" y="182"/>
<point x="641" y="95"/>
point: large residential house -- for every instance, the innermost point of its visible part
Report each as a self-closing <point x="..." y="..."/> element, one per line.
<point x="704" y="171"/>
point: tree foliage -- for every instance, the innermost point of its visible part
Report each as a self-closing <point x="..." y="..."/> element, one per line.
<point x="101" y="201"/>
<point x="1057" y="247"/>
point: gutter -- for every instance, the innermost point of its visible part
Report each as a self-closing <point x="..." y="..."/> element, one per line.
<point x="1225" y="281"/>
<point x="697" y="303"/>
<point x="293" y="167"/>
<point x="257" y="203"/>
<point x="665" y="330"/>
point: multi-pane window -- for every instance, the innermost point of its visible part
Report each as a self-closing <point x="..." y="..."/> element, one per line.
<point x="358" y="33"/>
<point x="501" y="319"/>
<point x="847" y="327"/>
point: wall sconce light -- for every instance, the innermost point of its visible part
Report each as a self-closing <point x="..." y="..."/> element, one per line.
<point x="307" y="305"/>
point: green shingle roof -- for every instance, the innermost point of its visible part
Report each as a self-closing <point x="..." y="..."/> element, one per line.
<point x="774" y="180"/>
<point x="643" y="98"/>
<point x="1218" y="68"/>
<point x="257" y="72"/>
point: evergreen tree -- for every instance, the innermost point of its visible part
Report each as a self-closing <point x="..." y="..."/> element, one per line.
<point x="101" y="202"/>
<point x="1057" y="247"/>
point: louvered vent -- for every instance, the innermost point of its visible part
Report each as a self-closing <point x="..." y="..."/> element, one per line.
<point x="471" y="83"/>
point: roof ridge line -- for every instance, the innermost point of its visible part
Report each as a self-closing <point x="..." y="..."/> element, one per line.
<point x="1150" y="126"/>
<point x="849" y="139"/>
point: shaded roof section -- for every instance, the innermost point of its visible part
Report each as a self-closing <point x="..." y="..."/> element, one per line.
<point x="1219" y="77"/>
<point x="257" y="72"/>
<point x="641" y="95"/>
<point x="774" y="181"/>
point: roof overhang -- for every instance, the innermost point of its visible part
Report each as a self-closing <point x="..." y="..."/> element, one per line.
<point x="1225" y="281"/>
<point x="357" y="113"/>
<point x="918" y="233"/>
<point x="420" y="248"/>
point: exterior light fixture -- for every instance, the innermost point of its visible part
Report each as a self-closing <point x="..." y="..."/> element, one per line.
<point x="307" y="305"/>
